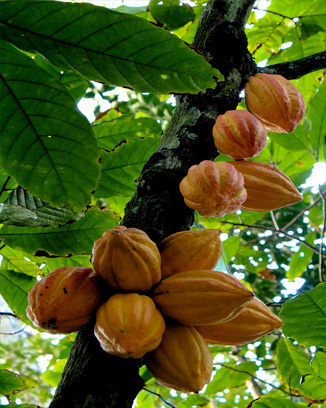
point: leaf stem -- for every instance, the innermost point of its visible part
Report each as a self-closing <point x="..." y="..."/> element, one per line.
<point x="274" y="221"/>
<point x="288" y="225"/>
<point x="160" y="397"/>
<point x="4" y="185"/>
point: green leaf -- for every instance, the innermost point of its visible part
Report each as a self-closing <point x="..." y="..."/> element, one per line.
<point x="76" y="238"/>
<point x="171" y="13"/>
<point x="267" y="402"/>
<point x="11" y="383"/>
<point x="194" y="400"/>
<point x="14" y="289"/>
<point x="21" y="208"/>
<point x="45" y="141"/>
<point x="53" y="374"/>
<point x="292" y="363"/>
<point x="106" y="46"/>
<point x="301" y="259"/>
<point x="304" y="317"/>
<point x="122" y="167"/>
<point x="112" y="132"/>
<point x="230" y="247"/>
<point x="314" y="384"/>
<point x="17" y="262"/>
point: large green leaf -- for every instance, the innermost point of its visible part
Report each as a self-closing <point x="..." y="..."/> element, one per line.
<point x="314" y="384"/>
<point x="106" y="46"/>
<point x="304" y="317"/>
<point x="10" y="383"/>
<point x="301" y="259"/>
<point x="112" y="132"/>
<point x="267" y="402"/>
<point x="122" y="167"/>
<point x="292" y="364"/>
<point x="171" y="13"/>
<point x="17" y="261"/>
<point x="14" y="287"/>
<point x="46" y="144"/>
<point x="22" y="208"/>
<point x="76" y="238"/>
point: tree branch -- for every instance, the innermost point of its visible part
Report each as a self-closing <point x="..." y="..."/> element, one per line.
<point x="288" y="225"/>
<point x="160" y="397"/>
<point x="8" y="314"/>
<point x="298" y="68"/>
<point x="274" y="230"/>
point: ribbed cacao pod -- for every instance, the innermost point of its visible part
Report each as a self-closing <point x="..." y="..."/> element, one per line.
<point x="239" y="134"/>
<point x="65" y="300"/>
<point x="198" y="298"/>
<point x="129" y="325"/>
<point x="253" y="322"/>
<point x="267" y="187"/>
<point x="275" y="101"/>
<point x="190" y="250"/>
<point x="213" y="189"/>
<point x="182" y="361"/>
<point x="127" y="259"/>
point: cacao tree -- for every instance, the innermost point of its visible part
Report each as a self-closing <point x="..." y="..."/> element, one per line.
<point x="165" y="71"/>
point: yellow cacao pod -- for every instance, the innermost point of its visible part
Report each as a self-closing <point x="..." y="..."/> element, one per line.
<point x="65" y="300"/>
<point x="239" y="134"/>
<point x="182" y="361"/>
<point x="198" y="298"/>
<point x="129" y="325"/>
<point x="254" y="321"/>
<point x="275" y="101"/>
<point x="190" y="250"/>
<point x="213" y="189"/>
<point x="127" y="259"/>
<point x="267" y="187"/>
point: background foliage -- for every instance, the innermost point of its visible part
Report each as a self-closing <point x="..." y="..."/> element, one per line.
<point x="65" y="180"/>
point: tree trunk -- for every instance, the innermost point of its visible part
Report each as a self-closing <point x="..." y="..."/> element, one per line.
<point x="92" y="378"/>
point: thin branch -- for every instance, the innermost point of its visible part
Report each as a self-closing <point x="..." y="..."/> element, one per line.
<point x="8" y="314"/>
<point x="16" y="332"/>
<point x="288" y="225"/>
<point x="160" y="397"/>
<point x="322" y="233"/>
<point x="298" y="68"/>
<point x="315" y="249"/>
<point x="4" y="185"/>
<point x="274" y="12"/>
<point x="274" y="221"/>
<point x="256" y="378"/>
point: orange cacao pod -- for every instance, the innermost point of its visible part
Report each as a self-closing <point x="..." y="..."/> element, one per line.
<point x="213" y="189"/>
<point x="127" y="259"/>
<point x="182" y="361"/>
<point x="239" y="134"/>
<point x="190" y="250"/>
<point x="253" y="322"/>
<point x="275" y="101"/>
<point x="65" y="300"/>
<point x="129" y="325"/>
<point x="267" y="187"/>
<point x="198" y="298"/>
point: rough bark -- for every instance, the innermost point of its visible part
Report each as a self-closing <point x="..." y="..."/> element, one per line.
<point x="92" y="378"/>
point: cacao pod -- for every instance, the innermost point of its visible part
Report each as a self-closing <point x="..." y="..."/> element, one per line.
<point x="190" y="250"/>
<point x="65" y="300"/>
<point x="198" y="298"/>
<point x="239" y="134"/>
<point x="275" y="101"/>
<point x="254" y="321"/>
<point x="182" y="361"/>
<point x="213" y="189"/>
<point x="129" y="325"/>
<point x="267" y="187"/>
<point x="127" y="259"/>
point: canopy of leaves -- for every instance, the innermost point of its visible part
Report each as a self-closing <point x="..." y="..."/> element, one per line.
<point x="65" y="180"/>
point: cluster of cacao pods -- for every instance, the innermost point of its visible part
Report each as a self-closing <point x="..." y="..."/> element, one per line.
<point x="161" y="304"/>
<point x="218" y="188"/>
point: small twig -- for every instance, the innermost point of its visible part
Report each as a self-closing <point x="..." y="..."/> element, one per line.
<point x="322" y="233"/>
<point x="16" y="332"/>
<point x="315" y="249"/>
<point x="274" y="221"/>
<point x="160" y="397"/>
<point x="273" y="12"/>
<point x="256" y="378"/>
<point x="8" y="314"/>
<point x="288" y="225"/>
<point x="4" y="185"/>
